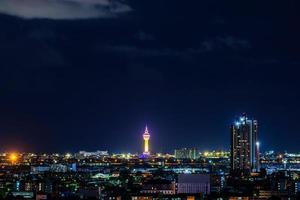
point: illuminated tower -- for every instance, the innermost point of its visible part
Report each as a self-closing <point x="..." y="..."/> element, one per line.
<point x="146" y="137"/>
<point x="245" y="145"/>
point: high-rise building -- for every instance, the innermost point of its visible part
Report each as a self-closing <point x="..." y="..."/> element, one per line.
<point x="245" y="145"/>
<point x="146" y="137"/>
<point x="186" y="153"/>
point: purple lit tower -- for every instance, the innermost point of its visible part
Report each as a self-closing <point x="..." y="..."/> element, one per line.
<point x="146" y="137"/>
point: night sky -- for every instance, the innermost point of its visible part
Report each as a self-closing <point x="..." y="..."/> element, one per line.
<point x="88" y="75"/>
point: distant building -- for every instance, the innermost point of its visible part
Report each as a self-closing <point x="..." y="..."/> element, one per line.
<point x="245" y="145"/>
<point x="193" y="184"/>
<point x="146" y="137"/>
<point x="215" y="154"/>
<point x="41" y="197"/>
<point x="90" y="193"/>
<point x="217" y="183"/>
<point x="39" y="169"/>
<point x="160" y="196"/>
<point x="73" y="167"/>
<point x="159" y="187"/>
<point x="58" y="168"/>
<point x="22" y="195"/>
<point x="86" y="154"/>
<point x="186" y="153"/>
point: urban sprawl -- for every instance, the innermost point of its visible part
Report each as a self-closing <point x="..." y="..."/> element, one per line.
<point x="240" y="173"/>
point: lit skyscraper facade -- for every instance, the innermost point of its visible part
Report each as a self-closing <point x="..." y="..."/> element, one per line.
<point x="146" y="137"/>
<point x="245" y="145"/>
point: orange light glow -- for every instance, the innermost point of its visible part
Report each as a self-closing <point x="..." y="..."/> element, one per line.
<point x="13" y="157"/>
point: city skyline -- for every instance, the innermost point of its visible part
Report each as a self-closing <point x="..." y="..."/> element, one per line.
<point x="240" y="121"/>
<point x="145" y="143"/>
<point x="149" y="100"/>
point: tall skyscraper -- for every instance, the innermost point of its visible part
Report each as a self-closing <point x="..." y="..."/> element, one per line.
<point x="245" y="145"/>
<point x="146" y="137"/>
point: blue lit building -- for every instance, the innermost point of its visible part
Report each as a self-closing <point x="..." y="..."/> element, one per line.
<point x="245" y="145"/>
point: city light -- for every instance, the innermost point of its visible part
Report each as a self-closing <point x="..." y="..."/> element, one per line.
<point x="68" y="155"/>
<point x="149" y="169"/>
<point x="13" y="157"/>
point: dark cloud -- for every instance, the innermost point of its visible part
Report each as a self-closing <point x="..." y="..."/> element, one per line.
<point x="228" y="42"/>
<point x="143" y="73"/>
<point x="62" y="9"/>
<point x="144" y="36"/>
